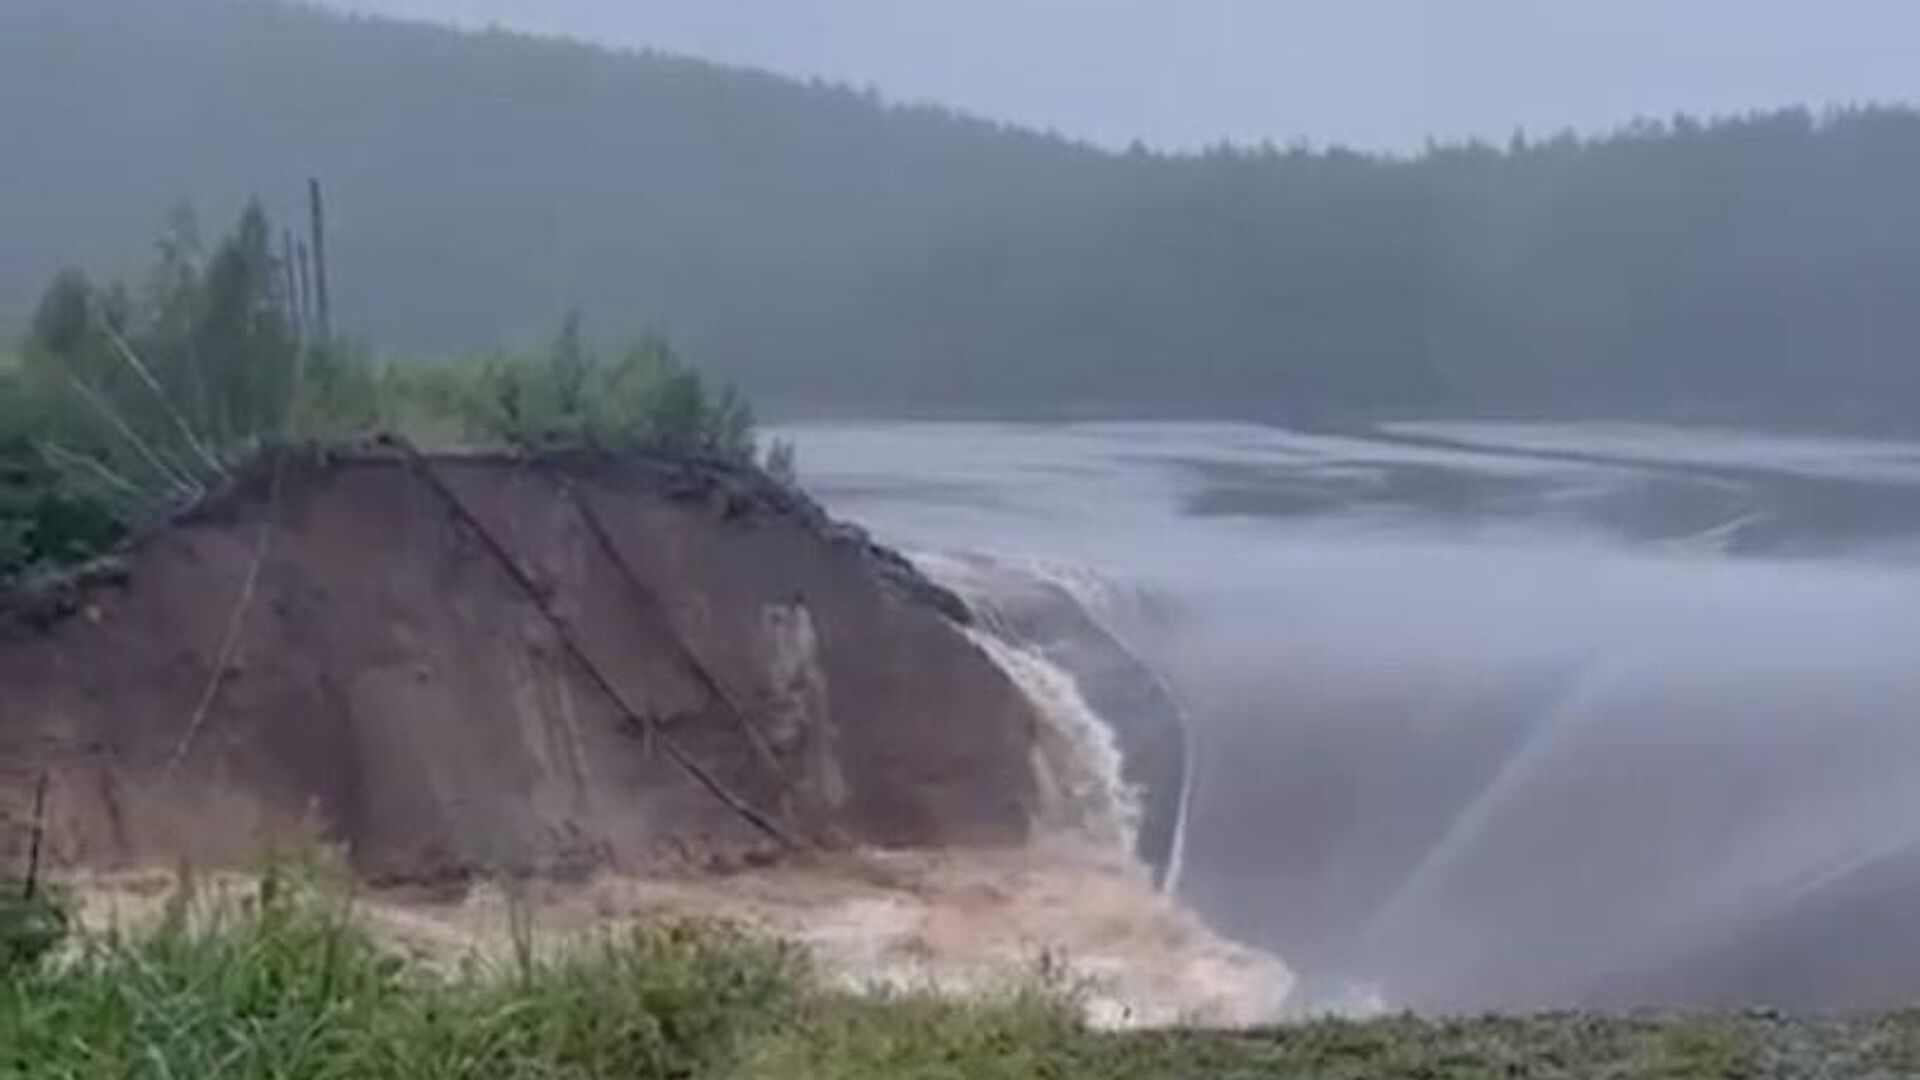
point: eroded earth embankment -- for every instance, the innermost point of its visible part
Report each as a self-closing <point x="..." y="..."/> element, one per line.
<point x="657" y="687"/>
<point x="478" y="665"/>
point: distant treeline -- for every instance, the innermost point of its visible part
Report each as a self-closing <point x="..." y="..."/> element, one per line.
<point x="824" y="250"/>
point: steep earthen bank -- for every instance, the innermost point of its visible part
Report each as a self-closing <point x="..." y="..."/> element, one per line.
<point x="482" y="664"/>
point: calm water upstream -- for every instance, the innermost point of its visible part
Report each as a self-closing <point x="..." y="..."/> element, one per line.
<point x="1490" y="714"/>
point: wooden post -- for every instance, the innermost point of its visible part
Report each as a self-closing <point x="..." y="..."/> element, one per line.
<point x="32" y="887"/>
<point x="306" y="281"/>
<point x="290" y="272"/>
<point x="324" y="303"/>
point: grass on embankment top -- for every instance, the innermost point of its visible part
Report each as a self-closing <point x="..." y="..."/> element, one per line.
<point x="285" y="985"/>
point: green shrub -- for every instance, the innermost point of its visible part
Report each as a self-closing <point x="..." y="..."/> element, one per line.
<point x="127" y="403"/>
<point x="782" y="463"/>
<point x="281" y="982"/>
<point x="1015" y="1036"/>
<point x="30" y="928"/>
<point x="645" y="399"/>
<point x="284" y="983"/>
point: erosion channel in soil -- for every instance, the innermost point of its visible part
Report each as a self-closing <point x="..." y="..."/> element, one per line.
<point x="649" y="686"/>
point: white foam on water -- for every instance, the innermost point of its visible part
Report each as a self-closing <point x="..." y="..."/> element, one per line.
<point x="961" y="924"/>
<point x="1076" y="759"/>
<point x="1078" y="763"/>
<point x="1107" y="604"/>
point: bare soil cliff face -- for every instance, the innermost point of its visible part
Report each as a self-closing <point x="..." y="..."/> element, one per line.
<point x="483" y="665"/>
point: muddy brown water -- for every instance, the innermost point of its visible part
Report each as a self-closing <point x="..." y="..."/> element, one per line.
<point x="1498" y="714"/>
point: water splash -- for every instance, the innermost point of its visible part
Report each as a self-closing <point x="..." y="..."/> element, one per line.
<point x="1076" y="760"/>
<point x="1057" y="630"/>
<point x="961" y="924"/>
<point x="1627" y="720"/>
<point x="1127" y="614"/>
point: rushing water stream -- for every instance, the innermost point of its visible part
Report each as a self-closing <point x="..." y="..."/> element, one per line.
<point x="1482" y="715"/>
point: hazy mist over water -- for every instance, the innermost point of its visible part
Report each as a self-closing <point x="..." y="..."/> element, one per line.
<point x="1521" y="715"/>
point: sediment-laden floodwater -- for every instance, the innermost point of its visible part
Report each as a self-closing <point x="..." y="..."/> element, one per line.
<point x="1466" y="715"/>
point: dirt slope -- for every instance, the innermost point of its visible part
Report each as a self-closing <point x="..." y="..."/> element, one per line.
<point x="417" y="676"/>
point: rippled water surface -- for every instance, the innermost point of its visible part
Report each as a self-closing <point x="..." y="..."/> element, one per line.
<point x="1492" y="714"/>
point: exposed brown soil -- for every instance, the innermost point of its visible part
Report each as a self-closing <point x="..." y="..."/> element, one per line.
<point x="958" y="923"/>
<point x="427" y="674"/>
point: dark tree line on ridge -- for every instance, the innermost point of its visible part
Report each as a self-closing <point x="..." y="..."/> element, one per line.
<point x="827" y="251"/>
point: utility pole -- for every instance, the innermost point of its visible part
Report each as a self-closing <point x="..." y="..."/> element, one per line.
<point x="324" y="308"/>
<point x="290" y="272"/>
<point x="306" y="282"/>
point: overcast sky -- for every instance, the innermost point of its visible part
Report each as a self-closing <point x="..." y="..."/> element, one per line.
<point x="1374" y="73"/>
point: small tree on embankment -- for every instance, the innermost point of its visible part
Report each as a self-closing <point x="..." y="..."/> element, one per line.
<point x="128" y="403"/>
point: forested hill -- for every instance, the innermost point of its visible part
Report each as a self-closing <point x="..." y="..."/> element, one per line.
<point x="828" y="251"/>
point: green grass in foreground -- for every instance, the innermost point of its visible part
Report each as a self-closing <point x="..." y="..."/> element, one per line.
<point x="285" y="985"/>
